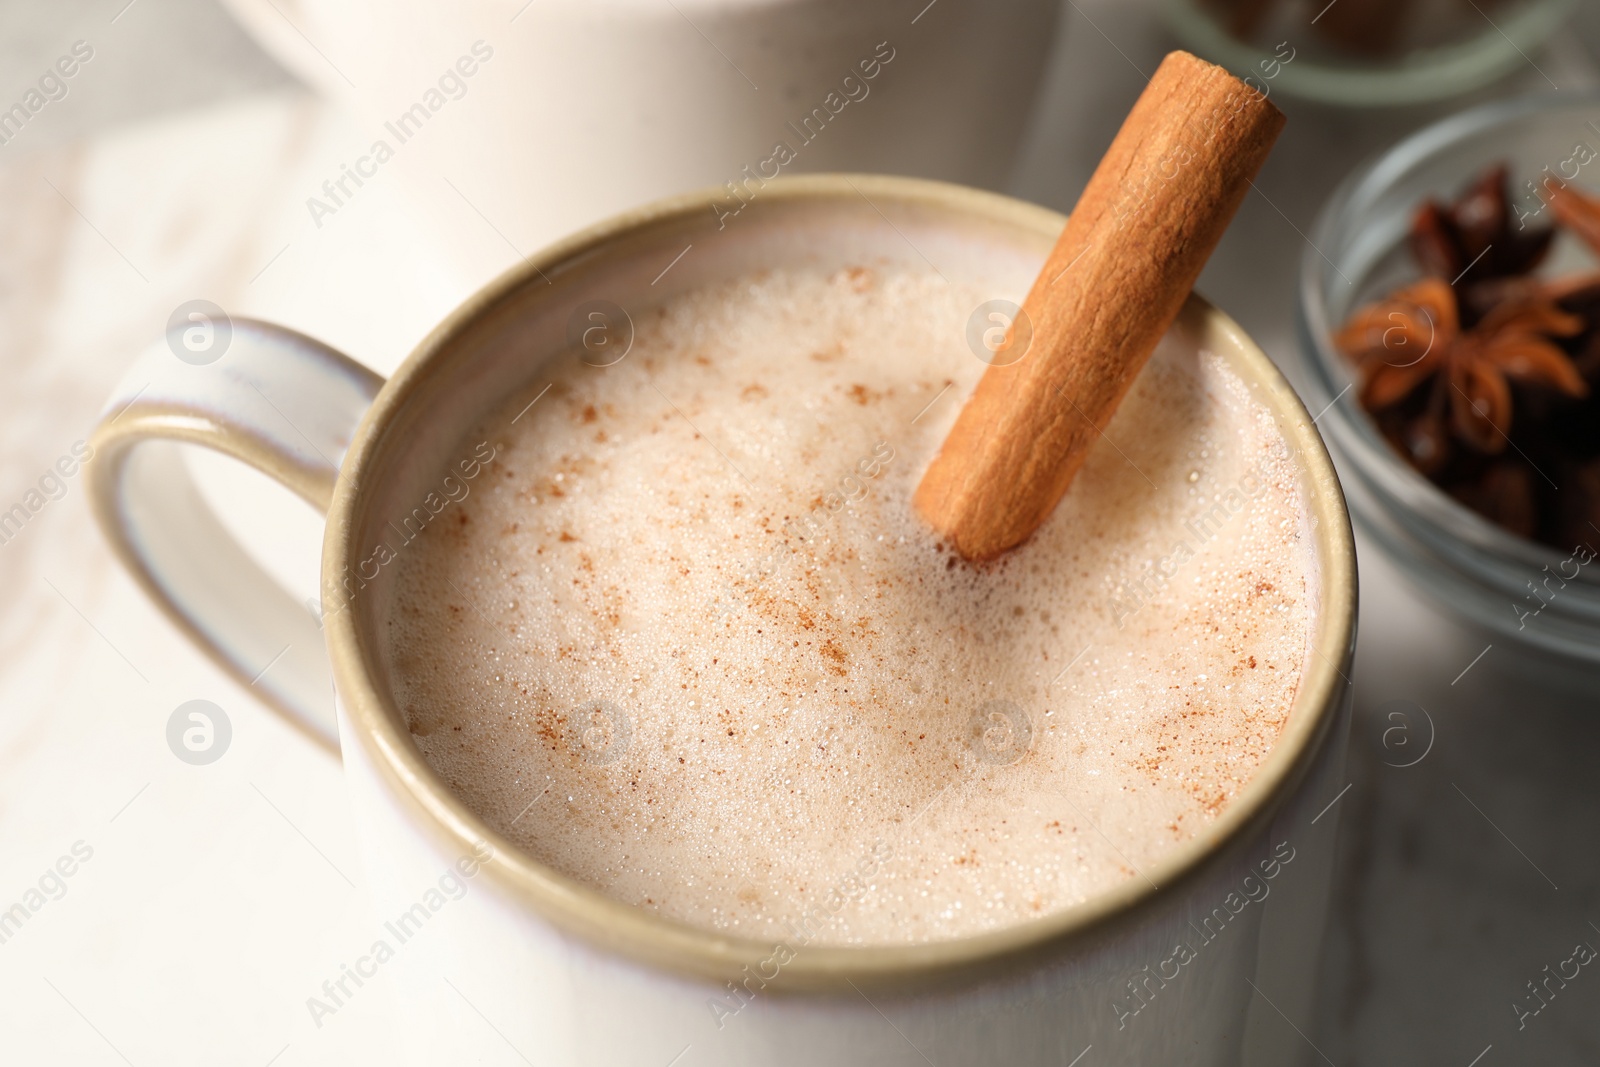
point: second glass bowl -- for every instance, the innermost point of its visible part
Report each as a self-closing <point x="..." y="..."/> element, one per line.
<point x="1472" y="50"/>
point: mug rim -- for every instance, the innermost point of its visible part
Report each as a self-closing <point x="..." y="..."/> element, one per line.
<point x="590" y="916"/>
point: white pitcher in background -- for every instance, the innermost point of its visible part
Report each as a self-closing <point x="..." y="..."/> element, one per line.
<point x="546" y="116"/>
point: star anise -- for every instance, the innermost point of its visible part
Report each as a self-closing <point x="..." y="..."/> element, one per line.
<point x="1447" y="364"/>
<point x="1414" y="336"/>
<point x="1505" y="495"/>
<point x="1366" y="27"/>
<point x="1577" y="507"/>
<point x="1478" y="237"/>
<point x="1244" y="17"/>
<point x="1575" y="293"/>
<point x="1398" y="342"/>
<point x="1580" y="294"/>
<point x="1576" y="211"/>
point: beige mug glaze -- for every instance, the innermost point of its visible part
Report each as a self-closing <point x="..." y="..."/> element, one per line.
<point x="574" y="976"/>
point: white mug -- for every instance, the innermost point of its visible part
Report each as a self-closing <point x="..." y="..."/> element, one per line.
<point x="547" y="115"/>
<point x="1200" y="960"/>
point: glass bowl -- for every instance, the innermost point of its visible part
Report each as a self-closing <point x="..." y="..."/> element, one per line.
<point x="1357" y="253"/>
<point x="1466" y="45"/>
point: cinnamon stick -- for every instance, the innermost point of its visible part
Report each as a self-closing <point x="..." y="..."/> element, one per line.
<point x="1144" y="227"/>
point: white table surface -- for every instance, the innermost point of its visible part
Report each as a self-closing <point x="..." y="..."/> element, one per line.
<point x="218" y="898"/>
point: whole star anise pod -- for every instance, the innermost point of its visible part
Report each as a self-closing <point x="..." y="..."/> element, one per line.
<point x="1577" y="506"/>
<point x="1576" y="211"/>
<point x="1243" y="17"/>
<point x="1505" y="495"/>
<point x="1366" y="27"/>
<point x="1414" y="336"/>
<point x="1477" y="238"/>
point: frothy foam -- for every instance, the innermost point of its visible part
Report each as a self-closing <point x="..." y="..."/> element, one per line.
<point x="687" y="642"/>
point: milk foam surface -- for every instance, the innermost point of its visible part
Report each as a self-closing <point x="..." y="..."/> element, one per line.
<point x="687" y="642"/>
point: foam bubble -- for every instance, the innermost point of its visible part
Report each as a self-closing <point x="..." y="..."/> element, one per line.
<point x="687" y="642"/>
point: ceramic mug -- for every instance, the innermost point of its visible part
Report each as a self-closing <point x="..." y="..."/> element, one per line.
<point x="547" y="115"/>
<point x="1200" y="961"/>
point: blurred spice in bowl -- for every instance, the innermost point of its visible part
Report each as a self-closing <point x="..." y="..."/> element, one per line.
<point x="1371" y="52"/>
<point x="1450" y="312"/>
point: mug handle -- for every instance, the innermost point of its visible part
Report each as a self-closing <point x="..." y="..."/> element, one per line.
<point x="283" y="403"/>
